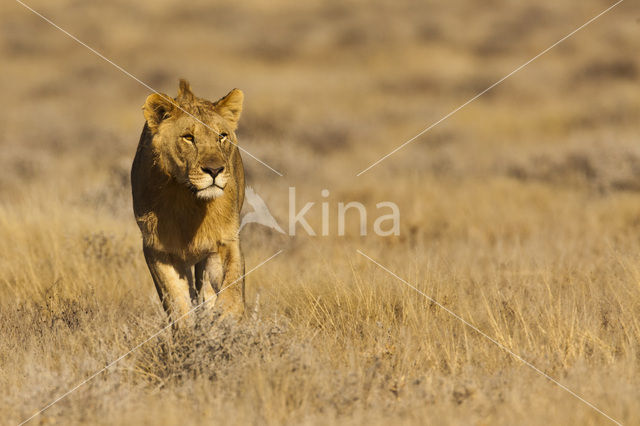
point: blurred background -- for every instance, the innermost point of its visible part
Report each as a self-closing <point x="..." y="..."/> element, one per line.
<point x="330" y="87"/>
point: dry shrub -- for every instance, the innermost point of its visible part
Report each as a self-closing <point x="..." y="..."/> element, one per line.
<point x="209" y="350"/>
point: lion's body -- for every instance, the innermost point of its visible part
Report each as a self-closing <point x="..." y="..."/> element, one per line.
<point x="172" y="220"/>
<point x="188" y="190"/>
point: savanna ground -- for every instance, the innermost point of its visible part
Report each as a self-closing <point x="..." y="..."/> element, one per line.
<point x="521" y="213"/>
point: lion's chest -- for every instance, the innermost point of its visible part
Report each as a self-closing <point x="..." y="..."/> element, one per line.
<point x="191" y="234"/>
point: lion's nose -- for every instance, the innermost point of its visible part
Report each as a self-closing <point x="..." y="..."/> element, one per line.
<point x="213" y="171"/>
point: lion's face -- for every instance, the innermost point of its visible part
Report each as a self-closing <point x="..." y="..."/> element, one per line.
<point x="195" y="155"/>
<point x="194" y="140"/>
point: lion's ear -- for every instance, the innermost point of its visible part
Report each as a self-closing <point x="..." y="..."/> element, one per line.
<point x="156" y="108"/>
<point x="230" y="107"/>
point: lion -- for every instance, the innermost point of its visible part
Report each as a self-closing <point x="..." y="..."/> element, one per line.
<point x="187" y="182"/>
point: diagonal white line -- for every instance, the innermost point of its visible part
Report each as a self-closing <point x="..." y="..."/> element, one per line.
<point x="112" y="363"/>
<point x="501" y="346"/>
<point x="425" y="130"/>
<point x="140" y="81"/>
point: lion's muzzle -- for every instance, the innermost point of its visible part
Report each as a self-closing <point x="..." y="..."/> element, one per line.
<point x="213" y="171"/>
<point x="210" y="182"/>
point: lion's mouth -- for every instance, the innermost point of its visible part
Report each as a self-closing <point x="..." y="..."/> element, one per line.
<point x="207" y="188"/>
<point x="209" y="193"/>
<point x="213" y="185"/>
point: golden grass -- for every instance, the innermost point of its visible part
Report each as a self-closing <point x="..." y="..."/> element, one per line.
<point x="520" y="214"/>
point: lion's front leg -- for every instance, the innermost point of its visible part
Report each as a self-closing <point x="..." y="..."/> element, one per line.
<point x="209" y="274"/>
<point x="172" y="278"/>
<point x="230" y="301"/>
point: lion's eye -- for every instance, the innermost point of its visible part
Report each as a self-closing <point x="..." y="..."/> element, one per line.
<point x="187" y="138"/>
<point x="223" y="137"/>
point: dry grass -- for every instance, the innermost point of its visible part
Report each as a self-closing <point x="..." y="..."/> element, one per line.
<point x="520" y="213"/>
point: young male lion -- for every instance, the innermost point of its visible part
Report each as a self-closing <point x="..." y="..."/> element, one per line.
<point x="187" y="181"/>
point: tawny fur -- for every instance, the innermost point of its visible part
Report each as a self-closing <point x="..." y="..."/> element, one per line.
<point x="190" y="237"/>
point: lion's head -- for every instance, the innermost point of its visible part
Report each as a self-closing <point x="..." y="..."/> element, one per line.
<point x="193" y="139"/>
